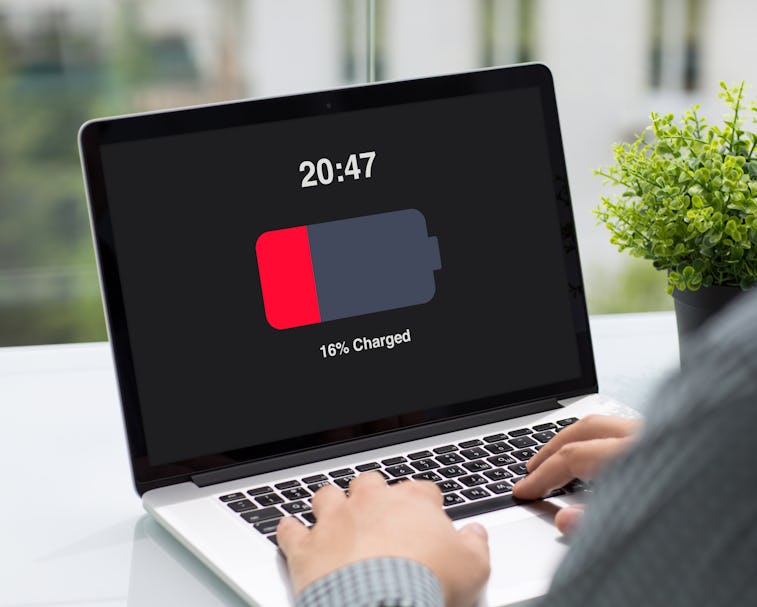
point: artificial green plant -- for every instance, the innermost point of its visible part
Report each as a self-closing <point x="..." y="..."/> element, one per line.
<point x="689" y="196"/>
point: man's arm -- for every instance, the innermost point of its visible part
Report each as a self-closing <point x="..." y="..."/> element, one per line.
<point x="672" y="522"/>
<point x="377" y="582"/>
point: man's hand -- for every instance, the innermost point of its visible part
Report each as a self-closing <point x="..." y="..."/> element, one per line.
<point x="579" y="451"/>
<point x="404" y="520"/>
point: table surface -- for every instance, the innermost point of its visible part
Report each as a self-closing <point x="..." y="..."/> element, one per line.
<point x="73" y="531"/>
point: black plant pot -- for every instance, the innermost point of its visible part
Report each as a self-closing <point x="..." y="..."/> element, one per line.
<point x="695" y="308"/>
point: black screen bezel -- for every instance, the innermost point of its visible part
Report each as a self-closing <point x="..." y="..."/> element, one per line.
<point x="97" y="133"/>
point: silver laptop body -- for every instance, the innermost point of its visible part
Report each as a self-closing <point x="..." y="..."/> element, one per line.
<point x="374" y="277"/>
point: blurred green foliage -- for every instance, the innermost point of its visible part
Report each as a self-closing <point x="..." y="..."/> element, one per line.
<point x="635" y="286"/>
<point x="48" y="283"/>
<point x="49" y="290"/>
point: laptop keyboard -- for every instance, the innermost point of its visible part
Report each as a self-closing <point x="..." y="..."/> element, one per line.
<point x="474" y="476"/>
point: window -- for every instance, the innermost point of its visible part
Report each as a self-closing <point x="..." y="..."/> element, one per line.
<point x="64" y="61"/>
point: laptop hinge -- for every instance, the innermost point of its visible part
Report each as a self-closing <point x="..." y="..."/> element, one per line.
<point x="289" y="460"/>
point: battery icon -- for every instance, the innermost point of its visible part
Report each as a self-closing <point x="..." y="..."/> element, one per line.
<point x="350" y="267"/>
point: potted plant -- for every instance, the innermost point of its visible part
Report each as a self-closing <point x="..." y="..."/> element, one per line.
<point x="689" y="204"/>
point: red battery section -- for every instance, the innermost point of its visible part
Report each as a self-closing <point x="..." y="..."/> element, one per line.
<point x="286" y="273"/>
<point x="348" y="267"/>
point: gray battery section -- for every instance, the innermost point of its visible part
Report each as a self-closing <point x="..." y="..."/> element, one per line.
<point x="373" y="263"/>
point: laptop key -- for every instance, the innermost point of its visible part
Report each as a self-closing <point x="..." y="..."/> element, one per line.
<point x="577" y="485"/>
<point x="296" y="507"/>
<point x="476" y="493"/>
<point x="287" y="484"/>
<point x="341" y="472"/>
<point x="231" y="497"/>
<point x="298" y="493"/>
<point x="269" y="499"/>
<point x="452" y="471"/>
<point x="520" y="432"/>
<point x="259" y="491"/>
<point x="267" y="527"/>
<point x="522" y="442"/>
<point x="499" y="448"/>
<point x="542" y="427"/>
<point x="476" y="466"/>
<point x="500" y="487"/>
<point x="452" y="498"/>
<point x="567" y="421"/>
<point x="475" y="453"/>
<point x="316" y="478"/>
<point x="495" y="438"/>
<point x="543" y="437"/>
<point x="401" y="470"/>
<point x="447" y="459"/>
<point x="315" y="486"/>
<point x="480" y="506"/>
<point x="497" y="474"/>
<point x="524" y="454"/>
<point x="470" y="443"/>
<point x="424" y="464"/>
<point x="367" y="467"/>
<point x="241" y="505"/>
<point x="394" y="481"/>
<point x="343" y="482"/>
<point x="427" y="476"/>
<point x="309" y="517"/>
<point x="500" y="460"/>
<point x="447" y="486"/>
<point x="264" y="514"/>
<point x="473" y="480"/>
<point x="445" y="449"/>
<point x="273" y="539"/>
<point x="419" y="455"/>
<point x="393" y="461"/>
<point x="519" y="469"/>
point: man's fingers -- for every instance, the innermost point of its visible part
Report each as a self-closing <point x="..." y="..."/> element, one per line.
<point x="367" y="482"/>
<point x="475" y="533"/>
<point x="290" y="533"/>
<point x="574" y="460"/>
<point x="427" y="489"/>
<point x="588" y="428"/>
<point x="326" y="498"/>
<point x="475" y="537"/>
<point x="567" y="518"/>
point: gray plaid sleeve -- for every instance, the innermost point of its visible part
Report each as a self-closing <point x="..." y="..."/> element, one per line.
<point x="672" y="523"/>
<point x="383" y="582"/>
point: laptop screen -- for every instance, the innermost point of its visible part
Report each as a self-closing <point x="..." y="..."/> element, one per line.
<point x="323" y="267"/>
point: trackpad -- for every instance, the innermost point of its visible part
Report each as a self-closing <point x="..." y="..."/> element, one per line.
<point x="524" y="556"/>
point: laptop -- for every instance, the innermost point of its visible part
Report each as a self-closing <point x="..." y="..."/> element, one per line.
<point x="379" y="277"/>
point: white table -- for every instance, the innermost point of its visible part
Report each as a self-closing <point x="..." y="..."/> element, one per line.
<point x="72" y="530"/>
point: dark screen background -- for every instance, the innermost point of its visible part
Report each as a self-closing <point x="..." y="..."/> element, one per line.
<point x="213" y="376"/>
